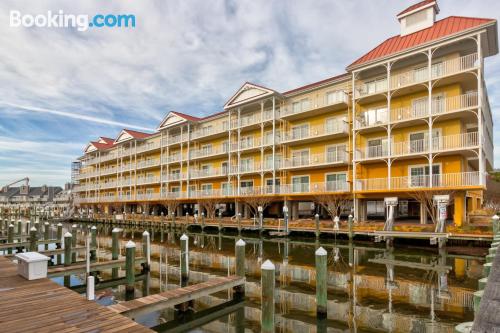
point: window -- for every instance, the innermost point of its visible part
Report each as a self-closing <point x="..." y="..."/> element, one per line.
<point x="420" y="74"/>
<point x="376" y="116"/>
<point x="377" y="148"/>
<point x="300" y="106"/>
<point x="246" y="186"/>
<point x="225" y="125"/>
<point x="246" y="142"/>
<point x="419" y="175"/>
<point x="300" y="131"/>
<point x="191" y="190"/>
<point x="438" y="105"/>
<point x="334" y="125"/>
<point x="336" y="182"/>
<point x="205" y="130"/>
<point x="206" y="169"/>
<point x="300" y="157"/>
<point x="437" y="69"/>
<point x="269" y="185"/>
<point x="334" y="97"/>
<point x="336" y="153"/>
<point x="246" y="164"/>
<point x="268" y="161"/>
<point x="226" y="188"/>
<point x="225" y="168"/>
<point x="225" y="146"/>
<point x="416" y="18"/>
<point x="206" y="189"/>
<point x="300" y="184"/>
<point x="375" y="86"/>
<point x="419" y="107"/>
<point x="417" y="142"/>
<point x="206" y="149"/>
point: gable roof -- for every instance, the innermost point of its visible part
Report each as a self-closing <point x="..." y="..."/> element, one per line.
<point x="318" y="83"/>
<point x="248" y="92"/>
<point x="104" y="139"/>
<point x="442" y="28"/>
<point x="418" y="5"/>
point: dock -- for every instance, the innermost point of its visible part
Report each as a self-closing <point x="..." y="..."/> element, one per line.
<point x="44" y="306"/>
<point x="176" y="296"/>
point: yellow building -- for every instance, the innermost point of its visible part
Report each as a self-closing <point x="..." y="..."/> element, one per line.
<point x="410" y="116"/>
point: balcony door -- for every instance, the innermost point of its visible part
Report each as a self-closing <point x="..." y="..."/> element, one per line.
<point x="206" y="189"/>
<point x="300" y="184"/>
<point x="335" y="154"/>
<point x="269" y="185"/>
<point x="417" y="143"/>
<point x="336" y="182"/>
<point x="300" y="157"/>
<point x="377" y="148"/>
<point x="246" y="186"/>
<point x="419" y="175"/>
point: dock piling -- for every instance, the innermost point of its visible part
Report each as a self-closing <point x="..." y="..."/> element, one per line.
<point x="19" y="228"/>
<point x="67" y="248"/>
<point x="115" y="250"/>
<point x="46" y="231"/>
<point x="321" y="285"/>
<point x="349" y="225"/>
<point x="316" y="219"/>
<point x="130" y="266"/>
<point x="10" y="237"/>
<point x="73" y="241"/>
<point x="59" y="235"/>
<point x="93" y="243"/>
<point x="239" y="291"/>
<point x="184" y="260"/>
<point x="267" y="303"/>
<point x="33" y="239"/>
<point x="146" y="249"/>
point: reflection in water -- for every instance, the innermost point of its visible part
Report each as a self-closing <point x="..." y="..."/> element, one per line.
<point x="370" y="288"/>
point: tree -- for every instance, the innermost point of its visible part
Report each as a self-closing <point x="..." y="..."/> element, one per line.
<point x="210" y="205"/>
<point x="425" y="198"/>
<point x="171" y="205"/>
<point x="254" y="202"/>
<point x="333" y="203"/>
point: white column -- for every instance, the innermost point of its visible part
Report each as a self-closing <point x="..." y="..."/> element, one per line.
<point x="429" y="88"/>
<point x="161" y="164"/>
<point x="389" y="129"/>
<point x="188" y="159"/>
<point x="480" y="110"/>
<point x="262" y="144"/>
<point x="238" y="131"/>
<point x="274" y="145"/>
<point x="353" y="149"/>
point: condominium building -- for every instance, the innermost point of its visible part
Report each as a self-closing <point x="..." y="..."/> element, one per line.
<point x="411" y="115"/>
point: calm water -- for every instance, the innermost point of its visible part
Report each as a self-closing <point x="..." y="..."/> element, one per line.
<point x="371" y="288"/>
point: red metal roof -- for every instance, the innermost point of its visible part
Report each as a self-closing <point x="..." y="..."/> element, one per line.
<point x="100" y="145"/>
<point x="314" y="84"/>
<point x="137" y="135"/>
<point x="442" y="28"/>
<point x="184" y="115"/>
<point x="415" y="6"/>
<point x="107" y="140"/>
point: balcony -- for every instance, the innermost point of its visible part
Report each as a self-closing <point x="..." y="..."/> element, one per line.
<point x="315" y="133"/>
<point x="148" y="163"/>
<point x="175" y="139"/>
<point x="374" y="118"/>
<point x="106" y="185"/>
<point x="449" y="180"/>
<point x="108" y="157"/>
<point x="415" y="147"/>
<point x="126" y="183"/>
<point x="176" y="158"/>
<point x="246" y="168"/>
<point x="253" y="119"/>
<point x="316" y="160"/>
<point x="148" y="196"/>
<point x="209" y="131"/>
<point x="147" y="180"/>
<point x="108" y="171"/>
<point x="148" y="147"/>
<point x="416" y="76"/>
<point x="207" y="152"/>
<point x="201" y="173"/>
<point x="253" y="143"/>
<point x="299" y="110"/>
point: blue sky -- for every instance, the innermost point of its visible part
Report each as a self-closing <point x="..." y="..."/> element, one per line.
<point x="60" y="88"/>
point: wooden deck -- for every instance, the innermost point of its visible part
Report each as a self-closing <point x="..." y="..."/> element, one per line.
<point x="176" y="296"/>
<point x="44" y="306"/>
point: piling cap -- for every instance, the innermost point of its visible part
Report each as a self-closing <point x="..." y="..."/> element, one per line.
<point x="321" y="252"/>
<point x="316" y="215"/>
<point x="495" y="217"/>
<point x="184" y="237"/>
<point x="46" y="223"/>
<point x="115" y="230"/>
<point x="93" y="227"/>
<point x="11" y="225"/>
<point x="267" y="265"/>
<point x="145" y="233"/>
<point x="59" y="224"/>
<point x="74" y="226"/>
<point x="68" y="234"/>
<point x="336" y="219"/>
<point x="33" y="229"/>
<point x="240" y="242"/>
<point x="130" y="244"/>
<point x="350" y="216"/>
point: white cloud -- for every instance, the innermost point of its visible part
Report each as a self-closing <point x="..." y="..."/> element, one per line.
<point x="188" y="56"/>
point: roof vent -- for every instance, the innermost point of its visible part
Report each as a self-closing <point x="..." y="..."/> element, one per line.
<point x="419" y="16"/>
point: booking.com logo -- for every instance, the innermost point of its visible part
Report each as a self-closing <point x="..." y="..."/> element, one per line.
<point x="81" y="22"/>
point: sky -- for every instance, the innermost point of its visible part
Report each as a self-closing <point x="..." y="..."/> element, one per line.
<point x="61" y="88"/>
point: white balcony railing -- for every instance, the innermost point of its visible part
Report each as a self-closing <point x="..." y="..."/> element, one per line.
<point x="147" y="180"/>
<point x="315" y="131"/>
<point x="207" y="152"/>
<point x="316" y="159"/>
<point x="315" y="103"/>
<point x="418" y="75"/>
<point x="460" y="179"/>
<point x="439" y="105"/>
<point x="209" y="130"/>
<point x="216" y="172"/>
<point x="148" y="146"/>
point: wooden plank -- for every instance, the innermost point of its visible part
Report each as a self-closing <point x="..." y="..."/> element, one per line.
<point x="176" y="296"/>
<point x="44" y="306"/>
<point x="79" y="268"/>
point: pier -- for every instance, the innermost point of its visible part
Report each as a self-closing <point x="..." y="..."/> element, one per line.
<point x="44" y="306"/>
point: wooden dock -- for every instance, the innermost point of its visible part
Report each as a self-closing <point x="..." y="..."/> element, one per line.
<point x="175" y="296"/>
<point x="44" y="306"/>
<point x="81" y="267"/>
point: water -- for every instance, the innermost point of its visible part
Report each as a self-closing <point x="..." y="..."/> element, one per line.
<point x="371" y="288"/>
